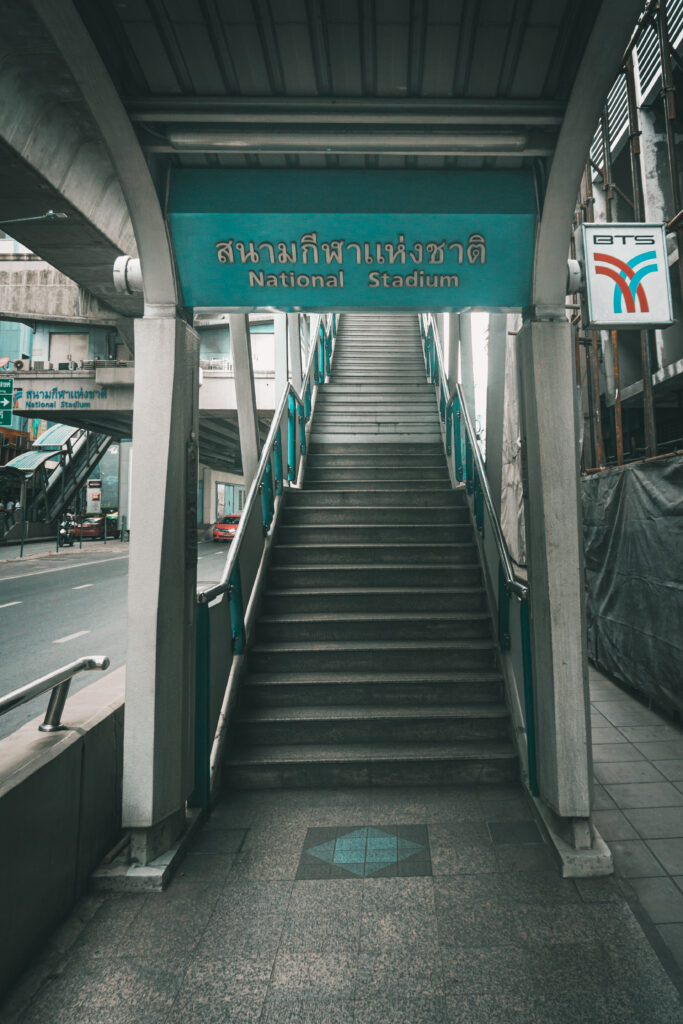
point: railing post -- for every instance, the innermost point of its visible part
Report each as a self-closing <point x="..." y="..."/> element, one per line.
<point x="237" y="611"/>
<point x="449" y="427"/>
<point x="267" y="497"/>
<point x="468" y="464"/>
<point x="291" y="439"/>
<point x="327" y="344"/>
<point x="302" y="429"/>
<point x="53" y="716"/>
<point x="201" y="794"/>
<point x="503" y="612"/>
<point x="478" y="501"/>
<point x="277" y="461"/>
<point x="457" y="440"/>
<point x="321" y="356"/>
<point x="529" y="710"/>
<point x="307" y="400"/>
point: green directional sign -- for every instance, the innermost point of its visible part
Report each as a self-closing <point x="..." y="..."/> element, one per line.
<point x="6" y="395"/>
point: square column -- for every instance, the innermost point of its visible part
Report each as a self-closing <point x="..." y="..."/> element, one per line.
<point x="247" y="416"/>
<point x="294" y="350"/>
<point x="453" y="359"/>
<point x="467" y="363"/>
<point x="495" y="405"/>
<point x="281" y="359"/>
<point x="162" y="579"/>
<point x="555" y="560"/>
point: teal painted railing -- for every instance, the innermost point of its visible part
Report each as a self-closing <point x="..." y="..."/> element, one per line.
<point x="462" y="447"/>
<point x="222" y="609"/>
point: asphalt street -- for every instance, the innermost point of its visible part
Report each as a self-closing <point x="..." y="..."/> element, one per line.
<point x="56" y="607"/>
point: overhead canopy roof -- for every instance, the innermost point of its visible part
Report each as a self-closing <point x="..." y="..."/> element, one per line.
<point x="29" y="462"/>
<point x="332" y="83"/>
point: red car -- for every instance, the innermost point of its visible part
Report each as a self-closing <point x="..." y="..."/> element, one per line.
<point x="93" y="526"/>
<point x="226" y="527"/>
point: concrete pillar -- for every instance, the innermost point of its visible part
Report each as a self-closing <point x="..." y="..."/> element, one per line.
<point x="159" y="729"/>
<point x="247" y="419"/>
<point x="453" y="354"/>
<point x="495" y="404"/>
<point x="466" y="363"/>
<point x="555" y="560"/>
<point x="294" y="350"/>
<point x="281" y="360"/>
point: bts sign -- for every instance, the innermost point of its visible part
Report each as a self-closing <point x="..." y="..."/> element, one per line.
<point x="626" y="271"/>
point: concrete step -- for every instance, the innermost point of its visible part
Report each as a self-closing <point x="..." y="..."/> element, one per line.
<point x="374" y="533"/>
<point x="351" y="724"/>
<point x="358" y="473"/>
<point x="364" y="460"/>
<point x="376" y="497"/>
<point x="395" y="483"/>
<point x="373" y="656"/>
<point x="380" y="626"/>
<point x="360" y="764"/>
<point x="290" y="576"/>
<point x="390" y="515"/>
<point x="373" y="554"/>
<point x="369" y="600"/>
<point x="365" y="450"/>
<point x="410" y="689"/>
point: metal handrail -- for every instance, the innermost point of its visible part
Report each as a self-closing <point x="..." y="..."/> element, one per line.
<point x="58" y="682"/>
<point x="513" y="584"/>
<point x="224" y="584"/>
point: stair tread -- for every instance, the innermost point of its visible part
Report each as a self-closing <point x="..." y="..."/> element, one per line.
<point x="376" y="645"/>
<point x="357" y="712"/>
<point x="355" y="752"/>
<point x="476" y="675"/>
<point x="325" y="591"/>
<point x="378" y="616"/>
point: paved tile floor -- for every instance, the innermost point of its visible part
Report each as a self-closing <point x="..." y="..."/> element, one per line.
<point x="257" y="927"/>
<point x="638" y="771"/>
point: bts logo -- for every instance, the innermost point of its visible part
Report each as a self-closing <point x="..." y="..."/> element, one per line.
<point x="627" y="276"/>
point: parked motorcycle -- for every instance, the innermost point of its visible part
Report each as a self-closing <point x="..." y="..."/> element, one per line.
<point x="67" y="529"/>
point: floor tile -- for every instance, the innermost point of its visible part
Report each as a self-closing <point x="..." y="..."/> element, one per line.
<point x="614" y="773"/>
<point x="319" y="975"/>
<point x="617" y="752"/>
<point x="601" y="799"/>
<point x="394" y="1009"/>
<point x="626" y="712"/>
<point x="323" y="916"/>
<point x="607" y="734"/>
<point x="670" y="853"/>
<point x="517" y="833"/>
<point x="673" y="936"/>
<point x="632" y="859"/>
<point x="224" y="991"/>
<point x="661" y="899"/>
<point x="364" y="850"/>
<point x="671" y="769"/>
<point x="657" y="822"/>
<point x="613" y="825"/>
<point x="645" y="794"/>
<point x="662" y="750"/>
<point x="641" y="733"/>
<point x="283" y="1008"/>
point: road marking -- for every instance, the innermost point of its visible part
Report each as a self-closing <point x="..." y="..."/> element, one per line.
<point x="9" y="604"/>
<point x="71" y="636"/>
<point x="82" y="586"/>
<point x="63" y="568"/>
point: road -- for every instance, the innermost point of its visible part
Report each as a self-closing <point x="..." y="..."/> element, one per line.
<point x="56" y="607"/>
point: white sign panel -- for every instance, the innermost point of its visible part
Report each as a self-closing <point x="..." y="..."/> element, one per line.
<point x="626" y="269"/>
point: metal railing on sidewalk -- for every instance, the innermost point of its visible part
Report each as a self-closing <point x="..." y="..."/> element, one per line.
<point x="463" y="447"/>
<point x="58" y="682"/>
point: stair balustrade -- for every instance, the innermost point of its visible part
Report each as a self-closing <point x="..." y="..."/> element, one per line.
<point x="224" y="611"/>
<point x="462" y="446"/>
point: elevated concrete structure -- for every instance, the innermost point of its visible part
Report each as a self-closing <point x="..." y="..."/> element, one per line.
<point x="140" y="93"/>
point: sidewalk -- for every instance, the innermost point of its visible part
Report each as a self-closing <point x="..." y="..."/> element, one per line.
<point x="409" y="906"/>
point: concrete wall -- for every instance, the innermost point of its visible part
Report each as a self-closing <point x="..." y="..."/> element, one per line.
<point x="60" y="812"/>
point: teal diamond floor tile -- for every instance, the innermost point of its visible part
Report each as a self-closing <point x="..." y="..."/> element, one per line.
<point x="364" y="851"/>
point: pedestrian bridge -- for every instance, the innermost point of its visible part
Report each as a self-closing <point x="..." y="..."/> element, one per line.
<point x="379" y="165"/>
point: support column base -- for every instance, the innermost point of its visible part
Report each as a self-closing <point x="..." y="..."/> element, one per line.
<point x="578" y="846"/>
<point x="127" y="875"/>
<point x="146" y="844"/>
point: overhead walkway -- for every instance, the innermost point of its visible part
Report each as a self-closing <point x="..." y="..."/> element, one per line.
<point x="56" y="468"/>
<point x="374" y="659"/>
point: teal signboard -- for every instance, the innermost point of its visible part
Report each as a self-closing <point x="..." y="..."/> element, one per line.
<point x="313" y="240"/>
<point x="6" y="401"/>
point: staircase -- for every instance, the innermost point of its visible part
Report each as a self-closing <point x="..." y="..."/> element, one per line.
<point x="374" y="660"/>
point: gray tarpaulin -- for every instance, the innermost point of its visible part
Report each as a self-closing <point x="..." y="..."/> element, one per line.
<point x="633" y="540"/>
